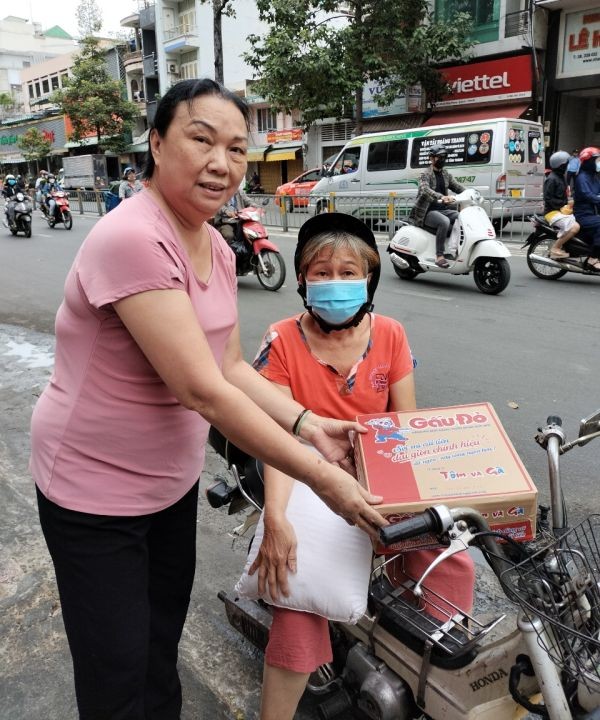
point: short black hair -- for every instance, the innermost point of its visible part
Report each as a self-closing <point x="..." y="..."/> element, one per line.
<point x="188" y="91"/>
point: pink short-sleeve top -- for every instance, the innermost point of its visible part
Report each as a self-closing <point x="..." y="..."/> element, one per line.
<point x="107" y="435"/>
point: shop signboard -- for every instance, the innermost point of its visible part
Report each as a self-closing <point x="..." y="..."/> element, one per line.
<point x="288" y="135"/>
<point x="52" y="129"/>
<point x="404" y="103"/>
<point x="488" y="81"/>
<point x="579" y="50"/>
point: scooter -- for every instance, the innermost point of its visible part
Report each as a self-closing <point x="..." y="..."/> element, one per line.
<point x="538" y="246"/>
<point x="254" y="252"/>
<point x="471" y="246"/>
<point x="62" y="210"/>
<point x="23" y="209"/>
<point x="399" y="662"/>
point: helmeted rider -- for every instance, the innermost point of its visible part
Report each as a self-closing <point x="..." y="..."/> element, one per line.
<point x="336" y="305"/>
<point x="434" y="205"/>
<point x="587" y="201"/>
<point x="40" y="184"/>
<point x="9" y="192"/>
<point x="47" y="200"/>
<point x="558" y="210"/>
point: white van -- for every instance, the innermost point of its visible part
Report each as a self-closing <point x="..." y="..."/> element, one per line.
<point x="502" y="158"/>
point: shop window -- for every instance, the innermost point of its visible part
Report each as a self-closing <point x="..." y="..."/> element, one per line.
<point x="37" y="89"/>
<point x="54" y="82"/>
<point x="45" y="86"/>
<point x="266" y="119"/>
<point x="485" y="16"/>
<point x="31" y="91"/>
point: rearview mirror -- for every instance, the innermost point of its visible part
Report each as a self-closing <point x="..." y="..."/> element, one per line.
<point x="589" y="425"/>
<point x="265" y="201"/>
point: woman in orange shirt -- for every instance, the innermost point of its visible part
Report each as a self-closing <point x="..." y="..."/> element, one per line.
<point x="341" y="360"/>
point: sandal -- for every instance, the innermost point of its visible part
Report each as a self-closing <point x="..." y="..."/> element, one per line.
<point x="442" y="262"/>
<point x="558" y="254"/>
<point x="593" y="264"/>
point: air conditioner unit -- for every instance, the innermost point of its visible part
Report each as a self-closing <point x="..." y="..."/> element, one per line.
<point x="173" y="68"/>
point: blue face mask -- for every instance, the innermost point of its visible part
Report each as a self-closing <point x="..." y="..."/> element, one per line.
<point x="336" y="301"/>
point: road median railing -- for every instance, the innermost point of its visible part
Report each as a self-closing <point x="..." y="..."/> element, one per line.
<point x="383" y="213"/>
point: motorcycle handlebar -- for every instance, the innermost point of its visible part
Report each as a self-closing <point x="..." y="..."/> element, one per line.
<point x="418" y="524"/>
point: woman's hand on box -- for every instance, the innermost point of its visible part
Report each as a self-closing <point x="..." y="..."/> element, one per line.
<point x="333" y="439"/>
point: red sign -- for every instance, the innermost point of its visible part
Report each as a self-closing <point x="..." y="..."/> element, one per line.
<point x="290" y="135"/>
<point x="48" y="135"/>
<point x="488" y="81"/>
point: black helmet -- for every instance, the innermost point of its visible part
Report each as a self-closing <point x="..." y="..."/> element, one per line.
<point x="328" y="222"/>
<point x="561" y="157"/>
<point x="438" y="151"/>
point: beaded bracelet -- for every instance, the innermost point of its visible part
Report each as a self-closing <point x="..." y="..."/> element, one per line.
<point x="299" y="422"/>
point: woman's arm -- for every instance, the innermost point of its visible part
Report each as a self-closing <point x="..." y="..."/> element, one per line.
<point x="164" y="325"/>
<point x="277" y="552"/>
<point x="329" y="436"/>
<point x="402" y="394"/>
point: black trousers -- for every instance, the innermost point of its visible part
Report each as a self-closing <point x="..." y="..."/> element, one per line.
<point x="124" y="585"/>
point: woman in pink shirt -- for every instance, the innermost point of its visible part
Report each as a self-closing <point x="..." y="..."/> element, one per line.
<point x="340" y="359"/>
<point x="147" y="356"/>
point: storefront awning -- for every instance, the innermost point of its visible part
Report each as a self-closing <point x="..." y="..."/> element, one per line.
<point x="286" y="152"/>
<point x="138" y="147"/>
<point x="465" y="114"/>
<point x="257" y="154"/>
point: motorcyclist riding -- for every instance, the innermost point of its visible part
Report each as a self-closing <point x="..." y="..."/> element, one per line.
<point x="434" y="206"/>
<point x="48" y="203"/>
<point x="587" y="202"/>
<point x="9" y="191"/>
<point x="557" y="210"/>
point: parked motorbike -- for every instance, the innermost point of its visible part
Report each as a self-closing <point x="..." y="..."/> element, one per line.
<point x="254" y="252"/>
<point x="400" y="663"/>
<point x="62" y="210"/>
<point x="23" y="209"/>
<point x="472" y="246"/>
<point x="538" y="246"/>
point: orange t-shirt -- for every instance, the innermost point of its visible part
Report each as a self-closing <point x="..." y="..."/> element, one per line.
<point x="285" y="358"/>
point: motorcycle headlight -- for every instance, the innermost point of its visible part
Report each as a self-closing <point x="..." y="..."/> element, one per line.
<point x="20" y="197"/>
<point x="252" y="234"/>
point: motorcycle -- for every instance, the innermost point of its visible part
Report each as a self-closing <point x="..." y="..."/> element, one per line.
<point x="62" y="210"/>
<point x="538" y="246"/>
<point x="399" y="662"/>
<point x="471" y="246"/>
<point x="23" y="209"/>
<point x="254" y="252"/>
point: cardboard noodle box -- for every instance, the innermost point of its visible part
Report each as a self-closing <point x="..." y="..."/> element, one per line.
<point x="454" y="456"/>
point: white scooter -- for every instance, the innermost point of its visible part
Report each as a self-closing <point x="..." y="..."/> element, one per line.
<point x="471" y="246"/>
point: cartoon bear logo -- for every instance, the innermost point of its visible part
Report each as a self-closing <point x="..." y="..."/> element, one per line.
<point x="386" y="429"/>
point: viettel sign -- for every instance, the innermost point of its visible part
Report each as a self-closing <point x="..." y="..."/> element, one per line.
<point x="490" y="81"/>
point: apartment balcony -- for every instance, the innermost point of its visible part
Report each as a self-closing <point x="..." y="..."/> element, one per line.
<point x="148" y="17"/>
<point x="181" y="38"/>
<point x="133" y="61"/>
<point x="150" y="65"/>
<point x="132" y="20"/>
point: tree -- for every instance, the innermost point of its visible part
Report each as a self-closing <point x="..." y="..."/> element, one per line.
<point x="33" y="145"/>
<point x="319" y="54"/>
<point x="89" y="18"/>
<point x="219" y="8"/>
<point x="6" y="102"/>
<point x="94" y="102"/>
